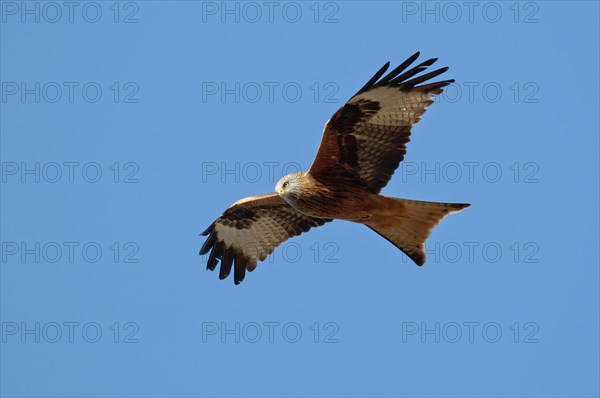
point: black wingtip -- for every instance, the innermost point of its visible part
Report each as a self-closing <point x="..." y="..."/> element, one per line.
<point x="208" y="244"/>
<point x="212" y="265"/>
<point x="226" y="263"/>
<point x="208" y="230"/>
<point x="429" y="62"/>
<point x="375" y="77"/>
<point x="411" y="59"/>
<point x="215" y="256"/>
<point x="399" y="76"/>
<point x="239" y="268"/>
<point x="409" y="84"/>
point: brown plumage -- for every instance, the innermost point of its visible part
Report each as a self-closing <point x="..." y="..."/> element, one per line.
<point x="362" y="145"/>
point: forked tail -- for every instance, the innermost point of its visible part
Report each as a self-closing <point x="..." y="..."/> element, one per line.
<point x="408" y="223"/>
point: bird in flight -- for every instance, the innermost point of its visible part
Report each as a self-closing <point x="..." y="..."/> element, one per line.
<point x="362" y="145"/>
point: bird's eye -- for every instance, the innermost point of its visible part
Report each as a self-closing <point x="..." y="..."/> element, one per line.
<point x="285" y="185"/>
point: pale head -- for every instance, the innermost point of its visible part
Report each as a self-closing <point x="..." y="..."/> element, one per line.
<point x="290" y="186"/>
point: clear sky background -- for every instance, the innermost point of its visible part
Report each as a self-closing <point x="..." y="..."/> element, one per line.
<point x="128" y="127"/>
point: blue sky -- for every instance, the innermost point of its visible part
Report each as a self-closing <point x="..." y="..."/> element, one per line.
<point x="128" y="127"/>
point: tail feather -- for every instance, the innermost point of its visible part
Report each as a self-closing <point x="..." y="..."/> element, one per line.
<point x="408" y="223"/>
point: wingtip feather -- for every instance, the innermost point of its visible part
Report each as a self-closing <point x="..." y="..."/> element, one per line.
<point x="401" y="76"/>
<point x="208" y="244"/>
<point x="208" y="230"/>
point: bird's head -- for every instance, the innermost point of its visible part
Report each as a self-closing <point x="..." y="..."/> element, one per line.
<point x="290" y="186"/>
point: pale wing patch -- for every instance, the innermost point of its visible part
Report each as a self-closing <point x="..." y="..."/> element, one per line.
<point x="397" y="107"/>
<point x="258" y="241"/>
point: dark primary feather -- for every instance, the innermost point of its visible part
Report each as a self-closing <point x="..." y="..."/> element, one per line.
<point x="400" y="68"/>
<point x="239" y="268"/>
<point x="208" y="244"/>
<point x="226" y="263"/>
<point x="215" y="256"/>
<point x="410" y="73"/>
<point x="399" y="79"/>
<point x="208" y="230"/>
<point x="412" y="83"/>
<point x="375" y="77"/>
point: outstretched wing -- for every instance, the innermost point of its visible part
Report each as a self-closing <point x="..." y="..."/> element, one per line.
<point x="366" y="138"/>
<point x="250" y="230"/>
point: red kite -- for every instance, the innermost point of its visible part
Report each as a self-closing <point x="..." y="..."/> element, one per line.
<point x="363" y="143"/>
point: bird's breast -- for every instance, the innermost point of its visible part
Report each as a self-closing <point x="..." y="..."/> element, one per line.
<point x="345" y="204"/>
